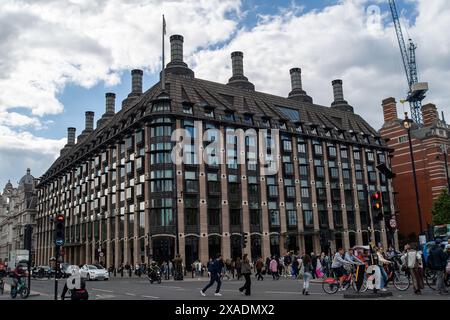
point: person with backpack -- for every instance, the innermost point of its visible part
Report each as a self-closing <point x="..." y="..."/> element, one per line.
<point x="437" y="261"/>
<point x="412" y="260"/>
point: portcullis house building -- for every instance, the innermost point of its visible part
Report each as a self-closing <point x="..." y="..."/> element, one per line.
<point x="125" y="199"/>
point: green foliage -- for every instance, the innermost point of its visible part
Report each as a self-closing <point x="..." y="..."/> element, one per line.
<point x="441" y="209"/>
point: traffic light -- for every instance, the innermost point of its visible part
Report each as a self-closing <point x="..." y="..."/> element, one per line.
<point x="244" y="241"/>
<point x="377" y="207"/>
<point x="28" y="237"/>
<point x="59" y="229"/>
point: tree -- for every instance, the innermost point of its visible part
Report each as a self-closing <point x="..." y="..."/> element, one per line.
<point x="441" y="209"/>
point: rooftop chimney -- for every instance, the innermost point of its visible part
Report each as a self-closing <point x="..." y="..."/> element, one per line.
<point x="177" y="65"/>
<point x="110" y="103"/>
<point x="297" y="92"/>
<point x="71" y="136"/>
<point x="430" y="114"/>
<point x="136" y="81"/>
<point x="89" y="122"/>
<point x="389" y="110"/>
<point x="339" y="102"/>
<point x="238" y="79"/>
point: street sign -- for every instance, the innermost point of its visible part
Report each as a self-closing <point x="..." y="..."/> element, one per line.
<point x="422" y="239"/>
<point x="101" y="254"/>
<point x="393" y="223"/>
<point x="59" y="242"/>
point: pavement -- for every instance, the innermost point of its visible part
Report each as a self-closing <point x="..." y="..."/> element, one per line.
<point x="135" y="288"/>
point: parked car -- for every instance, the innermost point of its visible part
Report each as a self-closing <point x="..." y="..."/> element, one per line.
<point x="41" y="272"/>
<point x="91" y="272"/>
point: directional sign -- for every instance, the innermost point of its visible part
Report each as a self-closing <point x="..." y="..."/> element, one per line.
<point x="59" y="242"/>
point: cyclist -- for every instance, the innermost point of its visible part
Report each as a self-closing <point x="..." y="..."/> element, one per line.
<point x="17" y="276"/>
<point x="338" y="266"/>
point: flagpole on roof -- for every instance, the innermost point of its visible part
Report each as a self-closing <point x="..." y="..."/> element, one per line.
<point x="163" y="75"/>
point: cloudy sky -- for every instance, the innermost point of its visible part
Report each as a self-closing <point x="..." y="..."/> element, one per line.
<point x="59" y="57"/>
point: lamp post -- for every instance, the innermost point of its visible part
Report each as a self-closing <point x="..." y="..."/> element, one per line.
<point x="407" y="124"/>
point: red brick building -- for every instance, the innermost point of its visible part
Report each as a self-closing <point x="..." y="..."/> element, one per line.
<point x="429" y="142"/>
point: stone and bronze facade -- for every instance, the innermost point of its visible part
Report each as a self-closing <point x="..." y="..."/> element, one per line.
<point x="126" y="200"/>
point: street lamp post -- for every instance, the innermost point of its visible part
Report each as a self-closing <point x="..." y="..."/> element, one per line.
<point x="407" y="124"/>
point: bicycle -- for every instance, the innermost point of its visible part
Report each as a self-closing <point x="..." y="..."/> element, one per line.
<point x="400" y="279"/>
<point x="20" y="289"/>
<point x="431" y="279"/>
<point x="332" y="285"/>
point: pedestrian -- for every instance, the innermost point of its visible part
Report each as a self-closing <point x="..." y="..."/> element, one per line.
<point x="437" y="260"/>
<point x="382" y="262"/>
<point x="274" y="268"/>
<point x="246" y="271"/>
<point x="314" y="263"/>
<point x="307" y="271"/>
<point x="233" y="267"/>
<point x="215" y="270"/>
<point x="295" y="266"/>
<point x="412" y="260"/>
<point x="259" y="266"/>
<point x="238" y="267"/>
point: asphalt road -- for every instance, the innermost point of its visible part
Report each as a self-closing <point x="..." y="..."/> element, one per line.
<point x="135" y="288"/>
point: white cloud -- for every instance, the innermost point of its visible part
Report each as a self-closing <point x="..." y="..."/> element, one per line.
<point x="337" y="42"/>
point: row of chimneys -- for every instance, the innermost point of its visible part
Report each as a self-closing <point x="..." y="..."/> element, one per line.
<point x="178" y="66"/>
<point x="429" y="112"/>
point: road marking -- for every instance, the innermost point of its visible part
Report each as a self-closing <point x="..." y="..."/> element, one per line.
<point x="102" y="290"/>
<point x="286" y="292"/>
<point x="130" y="294"/>
<point x="151" y="297"/>
<point x="170" y="287"/>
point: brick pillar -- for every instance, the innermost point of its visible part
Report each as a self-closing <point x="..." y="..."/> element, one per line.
<point x="180" y="206"/>
<point x="147" y="193"/>
<point x="328" y="192"/>
<point x="226" y="245"/>
<point x="389" y="110"/>
<point x="203" y="218"/>
<point x="430" y="114"/>
<point x="359" y="239"/>
<point x="316" y="236"/>
<point x="298" y="196"/>
<point x="345" y="236"/>
<point x="244" y="195"/>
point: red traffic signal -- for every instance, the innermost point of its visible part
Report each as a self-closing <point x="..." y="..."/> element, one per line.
<point x="376" y="196"/>
<point x="60" y="218"/>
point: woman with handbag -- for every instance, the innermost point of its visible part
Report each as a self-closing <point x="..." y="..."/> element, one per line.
<point x="246" y="271"/>
<point x="412" y="261"/>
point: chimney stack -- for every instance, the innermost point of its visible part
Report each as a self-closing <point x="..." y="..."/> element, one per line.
<point x="136" y="81"/>
<point x="296" y="79"/>
<point x="339" y="102"/>
<point x="71" y="136"/>
<point x="338" y="90"/>
<point x="176" y="48"/>
<point x="89" y="123"/>
<point x="237" y="61"/>
<point x="430" y="114"/>
<point x="110" y="103"/>
<point x="297" y="92"/>
<point x="177" y="65"/>
<point x="389" y="110"/>
<point x="238" y="79"/>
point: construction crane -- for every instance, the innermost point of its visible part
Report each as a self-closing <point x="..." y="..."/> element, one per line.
<point x="417" y="90"/>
